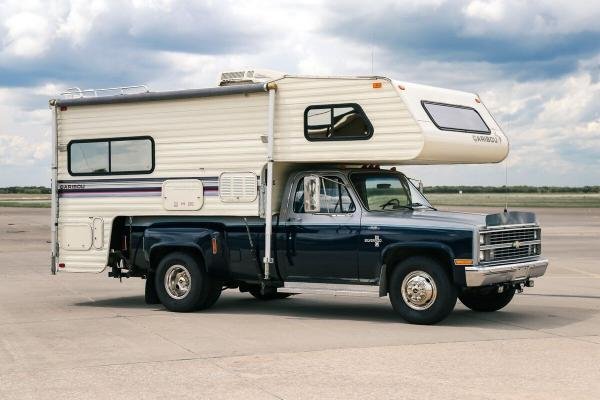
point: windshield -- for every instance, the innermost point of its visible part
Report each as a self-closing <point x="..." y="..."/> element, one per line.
<point x="384" y="191"/>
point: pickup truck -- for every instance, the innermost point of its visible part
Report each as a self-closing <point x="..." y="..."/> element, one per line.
<point x="353" y="231"/>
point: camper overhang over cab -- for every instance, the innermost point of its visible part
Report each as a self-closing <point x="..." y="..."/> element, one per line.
<point x="128" y="161"/>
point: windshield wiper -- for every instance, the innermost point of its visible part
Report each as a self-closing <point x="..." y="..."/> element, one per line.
<point x="422" y="205"/>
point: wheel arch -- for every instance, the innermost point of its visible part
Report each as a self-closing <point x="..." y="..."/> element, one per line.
<point x="158" y="251"/>
<point x="394" y="254"/>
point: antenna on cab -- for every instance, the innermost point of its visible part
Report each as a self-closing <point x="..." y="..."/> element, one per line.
<point x="506" y="177"/>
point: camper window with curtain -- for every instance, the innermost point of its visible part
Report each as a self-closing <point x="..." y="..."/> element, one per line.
<point x="336" y="122"/>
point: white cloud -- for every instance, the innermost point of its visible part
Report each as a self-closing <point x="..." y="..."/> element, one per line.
<point x="486" y="10"/>
<point x="16" y="150"/>
<point x="27" y="35"/>
<point x="79" y="20"/>
<point x="553" y="122"/>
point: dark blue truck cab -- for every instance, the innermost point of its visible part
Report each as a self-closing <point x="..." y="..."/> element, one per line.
<point x="341" y="231"/>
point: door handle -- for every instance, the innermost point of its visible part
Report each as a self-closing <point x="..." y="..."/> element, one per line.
<point x="294" y="219"/>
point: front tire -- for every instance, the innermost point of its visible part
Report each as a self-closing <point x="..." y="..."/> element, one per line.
<point x="421" y="291"/>
<point x="486" y="299"/>
<point x="182" y="284"/>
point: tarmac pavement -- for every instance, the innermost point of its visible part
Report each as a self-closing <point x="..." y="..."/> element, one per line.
<point x="87" y="336"/>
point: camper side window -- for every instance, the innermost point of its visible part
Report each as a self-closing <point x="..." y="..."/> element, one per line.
<point x="336" y="122"/>
<point x="111" y="156"/>
<point x="451" y="117"/>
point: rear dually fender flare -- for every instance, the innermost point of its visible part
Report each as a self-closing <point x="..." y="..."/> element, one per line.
<point x="198" y="241"/>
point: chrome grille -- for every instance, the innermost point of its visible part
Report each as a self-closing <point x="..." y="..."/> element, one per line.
<point x="508" y="244"/>
<point x="522" y="235"/>
<point x="509" y="252"/>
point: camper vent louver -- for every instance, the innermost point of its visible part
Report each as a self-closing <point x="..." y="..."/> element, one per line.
<point x="248" y="76"/>
<point x="238" y="187"/>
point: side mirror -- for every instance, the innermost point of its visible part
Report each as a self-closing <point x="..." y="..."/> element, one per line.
<point x="312" y="194"/>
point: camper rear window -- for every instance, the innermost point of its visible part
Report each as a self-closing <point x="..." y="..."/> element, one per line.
<point x="134" y="155"/>
<point x="336" y="122"/>
<point x="450" y="117"/>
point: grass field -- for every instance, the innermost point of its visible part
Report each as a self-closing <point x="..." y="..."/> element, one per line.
<point x="25" y="204"/>
<point x="517" y="199"/>
<point x="25" y="200"/>
<point x="479" y="199"/>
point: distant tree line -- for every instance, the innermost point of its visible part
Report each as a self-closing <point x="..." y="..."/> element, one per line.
<point x="25" y="190"/>
<point x="512" y="189"/>
<point x="428" y="189"/>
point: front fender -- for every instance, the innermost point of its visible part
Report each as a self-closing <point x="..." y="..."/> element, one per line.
<point x="437" y="247"/>
<point x="395" y="252"/>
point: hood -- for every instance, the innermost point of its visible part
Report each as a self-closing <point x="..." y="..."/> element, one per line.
<point x="425" y="217"/>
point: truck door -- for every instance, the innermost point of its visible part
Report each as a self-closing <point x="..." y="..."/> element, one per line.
<point x="321" y="246"/>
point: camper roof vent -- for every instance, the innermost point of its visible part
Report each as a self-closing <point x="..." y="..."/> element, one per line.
<point x="238" y="187"/>
<point x="248" y="76"/>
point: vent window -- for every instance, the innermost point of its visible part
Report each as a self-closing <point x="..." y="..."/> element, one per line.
<point x="336" y="122"/>
<point x="238" y="187"/>
<point x="450" y="117"/>
<point x="134" y="155"/>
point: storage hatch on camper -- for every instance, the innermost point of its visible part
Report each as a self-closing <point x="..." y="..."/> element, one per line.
<point x="183" y="194"/>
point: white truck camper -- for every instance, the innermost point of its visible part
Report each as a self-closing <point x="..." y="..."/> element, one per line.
<point x="201" y="190"/>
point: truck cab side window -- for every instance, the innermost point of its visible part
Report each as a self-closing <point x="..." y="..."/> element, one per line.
<point x="334" y="197"/>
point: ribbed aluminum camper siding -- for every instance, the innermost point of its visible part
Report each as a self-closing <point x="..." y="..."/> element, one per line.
<point x="203" y="133"/>
<point x="397" y="135"/>
<point x="196" y="137"/>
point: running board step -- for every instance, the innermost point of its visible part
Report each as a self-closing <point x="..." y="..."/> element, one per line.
<point x="334" y="289"/>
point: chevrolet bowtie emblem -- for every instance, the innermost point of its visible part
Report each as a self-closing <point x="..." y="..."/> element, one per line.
<point x="375" y="240"/>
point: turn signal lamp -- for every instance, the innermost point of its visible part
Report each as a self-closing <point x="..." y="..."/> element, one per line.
<point x="463" y="261"/>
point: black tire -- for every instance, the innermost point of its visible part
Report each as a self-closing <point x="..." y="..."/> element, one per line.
<point x="432" y="275"/>
<point x="201" y="288"/>
<point x="486" y="299"/>
<point x="150" y="294"/>
<point x="272" y="295"/>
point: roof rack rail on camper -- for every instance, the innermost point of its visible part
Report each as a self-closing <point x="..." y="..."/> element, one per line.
<point x="77" y="93"/>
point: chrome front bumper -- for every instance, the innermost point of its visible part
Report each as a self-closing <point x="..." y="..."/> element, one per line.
<point x="482" y="276"/>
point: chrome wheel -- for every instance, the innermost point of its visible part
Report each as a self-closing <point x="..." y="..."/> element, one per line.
<point x="418" y="290"/>
<point x="178" y="281"/>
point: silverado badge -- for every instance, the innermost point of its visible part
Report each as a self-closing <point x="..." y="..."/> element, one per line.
<point x="375" y="240"/>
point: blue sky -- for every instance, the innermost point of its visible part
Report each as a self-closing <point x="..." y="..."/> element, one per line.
<point x="536" y="64"/>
